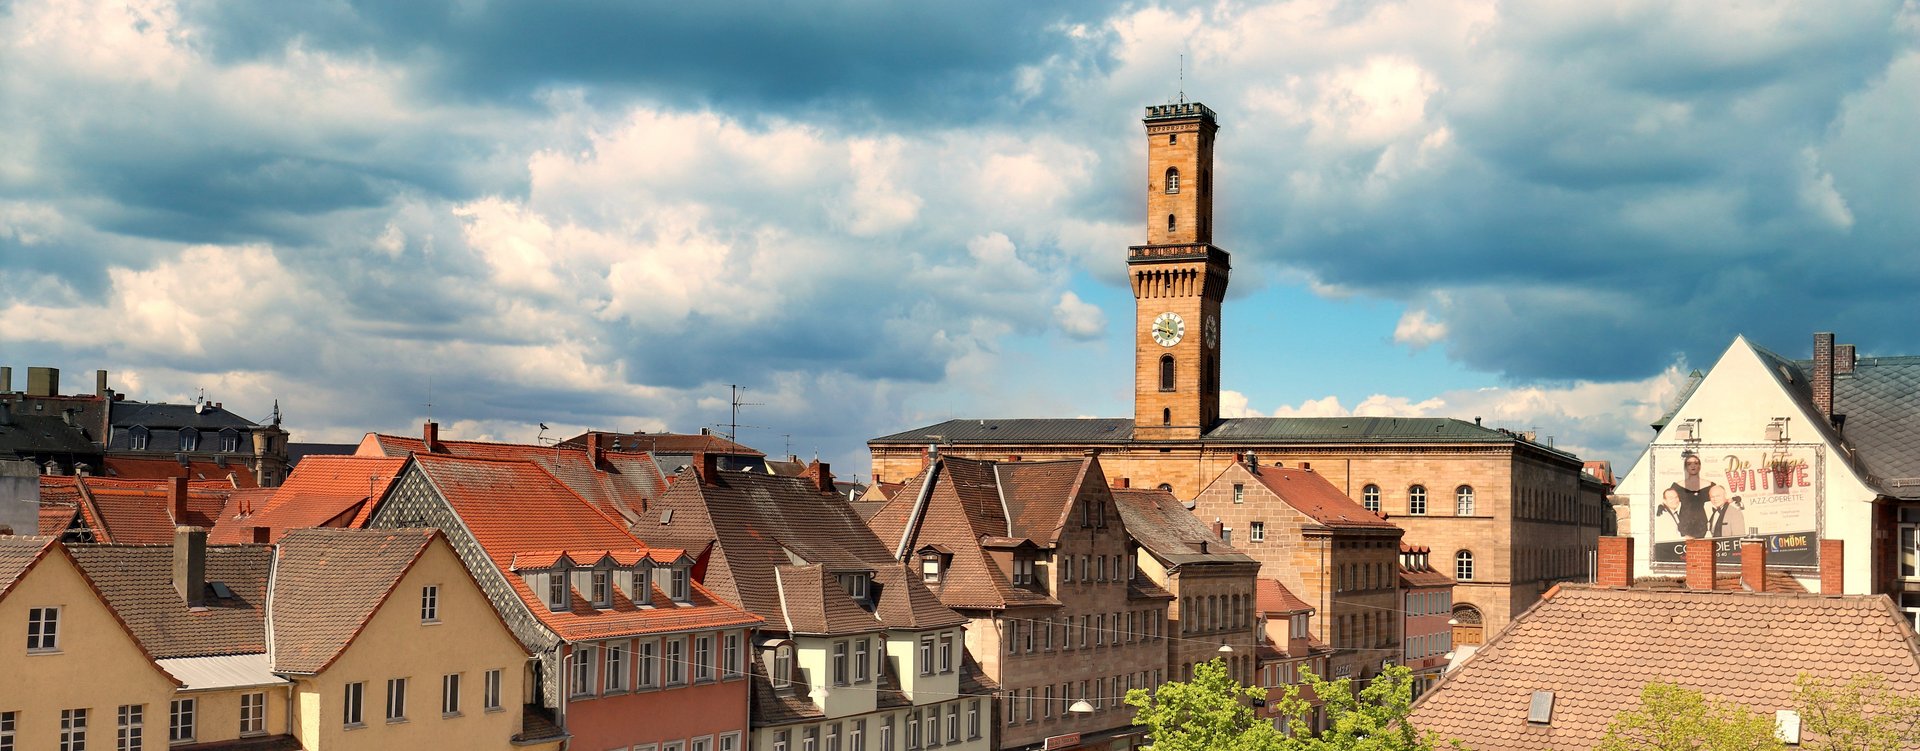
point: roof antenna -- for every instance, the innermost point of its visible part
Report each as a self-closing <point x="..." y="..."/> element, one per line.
<point x="1183" y="78"/>
<point x="429" y="397"/>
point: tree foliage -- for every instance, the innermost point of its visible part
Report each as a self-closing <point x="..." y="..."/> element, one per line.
<point x="1861" y="714"/>
<point x="1212" y="712"/>
<point x="1672" y="718"/>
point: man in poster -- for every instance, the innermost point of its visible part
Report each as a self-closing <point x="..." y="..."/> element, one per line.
<point x="1700" y="509"/>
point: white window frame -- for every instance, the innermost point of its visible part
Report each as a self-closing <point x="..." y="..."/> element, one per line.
<point x="580" y="670"/>
<point x="946" y="650"/>
<point x="396" y="700"/>
<point x="490" y="691"/>
<point x="782" y="666"/>
<point x="862" y="656"/>
<point x="183" y="720"/>
<point x="647" y="663"/>
<point x="1417" y="500"/>
<point x="253" y="714"/>
<point x="674" y="655"/>
<point x="1463" y="501"/>
<point x="1370" y="497"/>
<point x="1239" y="493"/>
<point x="1257" y="532"/>
<point x="73" y="729"/>
<point x="730" y="656"/>
<point x="430" y="604"/>
<point x="130" y="729"/>
<point x="43" y="630"/>
<point x="353" y="705"/>
<point x="613" y="678"/>
<point x="703" y="658"/>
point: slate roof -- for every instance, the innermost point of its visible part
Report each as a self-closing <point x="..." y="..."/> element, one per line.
<point x="515" y="507"/>
<point x="1169" y="531"/>
<point x="1595" y="648"/>
<point x="137" y="582"/>
<point x="1881" y="402"/>
<point x="761" y="526"/>
<point x="330" y="582"/>
<point x="152" y="415"/>
<point x="28" y="433"/>
<point x="1233" y="430"/>
<point x="1309" y="493"/>
<point x="325" y="490"/>
<point x="297" y="452"/>
<point x="621" y="486"/>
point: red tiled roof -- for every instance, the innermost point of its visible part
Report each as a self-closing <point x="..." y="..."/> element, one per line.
<point x="136" y="511"/>
<point x="54" y="520"/>
<point x="964" y="506"/>
<point x="324" y="490"/>
<point x="622" y="486"/>
<point x="1311" y="494"/>
<point x="1595" y="648"/>
<point x="1423" y="578"/>
<point x="1273" y="597"/>
<point x="21" y="554"/>
<point x="514" y="507"/>
<point x="234" y="475"/>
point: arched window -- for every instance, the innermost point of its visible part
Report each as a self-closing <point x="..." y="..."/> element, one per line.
<point x="1170" y="223"/>
<point x="1370" y="497"/>
<point x="1463" y="566"/>
<point x="1417" y="500"/>
<point x="1173" y="180"/>
<point x="1463" y="500"/>
<point x="1166" y="373"/>
<point x="1166" y="416"/>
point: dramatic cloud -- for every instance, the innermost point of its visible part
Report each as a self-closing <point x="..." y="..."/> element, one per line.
<point x="872" y="214"/>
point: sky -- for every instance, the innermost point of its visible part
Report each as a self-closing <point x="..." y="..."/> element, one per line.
<point x="879" y="215"/>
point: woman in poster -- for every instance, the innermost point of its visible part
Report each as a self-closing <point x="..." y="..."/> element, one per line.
<point x="1700" y="509"/>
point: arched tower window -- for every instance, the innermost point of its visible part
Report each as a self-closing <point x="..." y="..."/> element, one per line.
<point x="1166" y="373"/>
<point x="1173" y="180"/>
<point x="1463" y="566"/>
<point x="1166" y="417"/>
<point x="1170" y="223"/>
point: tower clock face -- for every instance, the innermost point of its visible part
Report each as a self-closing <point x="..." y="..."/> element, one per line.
<point x="1168" y="328"/>
<point x="1212" y="332"/>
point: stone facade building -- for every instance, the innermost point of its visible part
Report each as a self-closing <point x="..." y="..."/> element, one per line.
<point x="1328" y="550"/>
<point x="1531" y="517"/>
<point x="1036" y="554"/>
<point x="1426" y="602"/>
<point x="1214" y="614"/>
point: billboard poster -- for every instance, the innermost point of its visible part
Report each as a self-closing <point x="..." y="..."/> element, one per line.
<point x="1728" y="491"/>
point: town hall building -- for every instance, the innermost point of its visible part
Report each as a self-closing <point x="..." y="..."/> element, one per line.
<point x="1507" y="516"/>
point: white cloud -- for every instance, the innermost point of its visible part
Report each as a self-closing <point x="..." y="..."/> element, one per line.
<point x="1416" y="329"/>
<point x="1078" y="318"/>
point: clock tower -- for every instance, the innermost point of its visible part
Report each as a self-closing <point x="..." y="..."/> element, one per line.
<point x="1179" y="279"/>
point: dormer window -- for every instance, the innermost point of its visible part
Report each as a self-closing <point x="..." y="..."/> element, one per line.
<point x="855" y="585"/>
<point x="557" y="590"/>
<point x="1023" y="572"/>
<point x="643" y="584"/>
<point x="782" y="666"/>
<point x="930" y="568"/>
<point x="602" y="588"/>
<point x="229" y="440"/>
<point x="137" y="437"/>
<point x="189" y="439"/>
<point x="680" y="584"/>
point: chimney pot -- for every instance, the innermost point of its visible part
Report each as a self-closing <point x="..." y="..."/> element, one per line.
<point x="100" y="383"/>
<point x="1700" y="564"/>
<point x="1753" y="564"/>
<point x="190" y="565"/>
<point x="1823" y="373"/>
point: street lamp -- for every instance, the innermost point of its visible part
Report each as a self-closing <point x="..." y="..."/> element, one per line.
<point x="1080" y="707"/>
<point x="1224" y="649"/>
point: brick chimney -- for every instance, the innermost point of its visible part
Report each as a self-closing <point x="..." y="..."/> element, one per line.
<point x="1823" y="373"/>
<point x="597" y="449"/>
<point x="1616" y="562"/>
<point x="1122" y="482"/>
<point x="1843" y="359"/>
<point x="708" y="467"/>
<point x="190" y="565"/>
<point x="1833" y="567"/>
<point x="1700" y="564"/>
<point x="820" y="474"/>
<point x="177" y="499"/>
<point x="430" y="435"/>
<point x="1753" y="564"/>
<point x="1219" y="528"/>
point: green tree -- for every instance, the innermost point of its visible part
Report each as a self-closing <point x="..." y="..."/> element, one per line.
<point x="1861" y="714"/>
<point x="1211" y="712"/>
<point x="1671" y="718"/>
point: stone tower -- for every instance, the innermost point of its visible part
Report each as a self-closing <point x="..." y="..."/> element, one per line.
<point x="1179" y="279"/>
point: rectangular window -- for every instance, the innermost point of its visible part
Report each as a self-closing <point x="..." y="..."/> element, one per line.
<point x="703" y="657"/>
<point x="913" y="728"/>
<point x="450" y="695"/>
<point x="615" y="678"/>
<point x="733" y="666"/>
<point x="730" y="742"/>
<point x="973" y="719"/>
<point x="682" y="589"/>
<point x="886" y="733"/>
<point x="43" y="630"/>
<point x="1100" y="630"/>
<point x="131" y="733"/>
<point x="1239" y="493"/>
<point x="1086" y="624"/>
<point x="430" y="604"/>
<point x="1909" y="551"/>
<point x="930" y="726"/>
<point x="676" y="662"/>
<point x="840" y="663"/>
<point x="73" y="730"/>
<point x="580" y="669"/>
<point x="833" y="737"/>
<point x="9" y="725"/>
<point x="491" y="691"/>
<point x="703" y="743"/>
<point x="353" y="703"/>
<point x="857" y="736"/>
<point x="953" y="723"/>
<point x="926" y="649"/>
<point x="602" y="588"/>
<point x="930" y="569"/>
<point x="946" y="650"/>
<point x="1257" y="532"/>
<point x="396" y="699"/>
<point x="862" y="667"/>
<point x="1066" y="569"/>
<point x="181" y="721"/>
<point x="253" y="714"/>
<point x="810" y="739"/>
<point x="649" y="664"/>
<point x="780" y="738"/>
